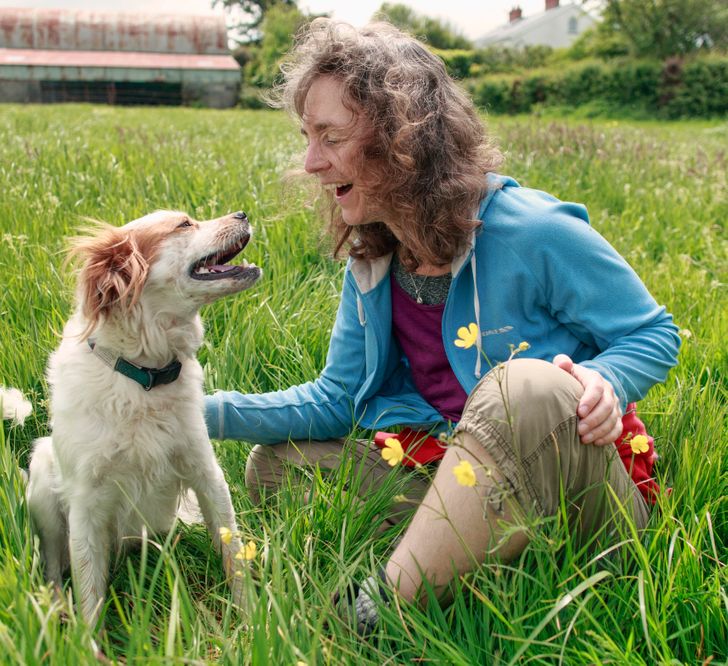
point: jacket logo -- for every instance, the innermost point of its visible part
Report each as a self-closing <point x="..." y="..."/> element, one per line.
<point x="497" y="331"/>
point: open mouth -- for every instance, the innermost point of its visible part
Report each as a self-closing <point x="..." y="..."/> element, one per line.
<point x="341" y="190"/>
<point x="215" y="266"/>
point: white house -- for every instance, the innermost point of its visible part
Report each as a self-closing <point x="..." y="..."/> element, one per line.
<point x="557" y="26"/>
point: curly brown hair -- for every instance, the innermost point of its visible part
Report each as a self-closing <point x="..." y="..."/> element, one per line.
<point x="428" y="149"/>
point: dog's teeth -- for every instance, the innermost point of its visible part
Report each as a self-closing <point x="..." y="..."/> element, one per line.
<point x="245" y="263"/>
<point x="203" y="269"/>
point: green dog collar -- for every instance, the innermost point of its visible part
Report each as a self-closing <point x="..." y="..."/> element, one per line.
<point x="147" y="378"/>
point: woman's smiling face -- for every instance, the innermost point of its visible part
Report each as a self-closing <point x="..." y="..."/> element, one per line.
<point x="336" y="138"/>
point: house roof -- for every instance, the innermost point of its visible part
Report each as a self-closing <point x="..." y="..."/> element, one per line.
<point x="516" y="30"/>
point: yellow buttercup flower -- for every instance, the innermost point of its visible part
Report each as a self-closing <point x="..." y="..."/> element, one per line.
<point x="467" y="337"/>
<point x="639" y="444"/>
<point x="226" y="536"/>
<point x="464" y="473"/>
<point x="247" y="552"/>
<point x="524" y="346"/>
<point x="250" y="550"/>
<point x="392" y="452"/>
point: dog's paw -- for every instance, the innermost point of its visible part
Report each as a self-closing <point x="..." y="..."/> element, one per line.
<point x="15" y="406"/>
<point x="243" y="593"/>
<point x="242" y="587"/>
<point x="237" y="588"/>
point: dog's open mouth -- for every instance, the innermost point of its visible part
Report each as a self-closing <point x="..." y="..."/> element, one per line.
<point x="216" y="267"/>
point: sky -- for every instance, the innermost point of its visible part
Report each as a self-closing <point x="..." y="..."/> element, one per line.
<point x="471" y="18"/>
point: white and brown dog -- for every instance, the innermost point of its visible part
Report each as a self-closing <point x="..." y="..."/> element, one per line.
<point x="128" y="431"/>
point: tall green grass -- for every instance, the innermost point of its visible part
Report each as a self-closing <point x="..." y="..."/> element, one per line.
<point x="658" y="192"/>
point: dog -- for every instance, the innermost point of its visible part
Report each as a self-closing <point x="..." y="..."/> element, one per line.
<point x="128" y="437"/>
<point x="15" y="407"/>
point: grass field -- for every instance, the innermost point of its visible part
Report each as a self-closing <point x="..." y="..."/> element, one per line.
<point x="658" y="192"/>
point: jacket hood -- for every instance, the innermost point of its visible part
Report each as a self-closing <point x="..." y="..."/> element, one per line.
<point x="368" y="273"/>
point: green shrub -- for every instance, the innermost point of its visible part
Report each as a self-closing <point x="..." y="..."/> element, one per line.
<point x="458" y="62"/>
<point x="466" y="63"/>
<point x="580" y="84"/>
<point x="676" y="88"/>
<point x="636" y="81"/>
<point x="697" y="87"/>
<point x="494" y="94"/>
<point x="537" y="88"/>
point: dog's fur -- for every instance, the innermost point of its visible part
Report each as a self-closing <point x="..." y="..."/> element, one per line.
<point x="120" y="458"/>
<point x="15" y="406"/>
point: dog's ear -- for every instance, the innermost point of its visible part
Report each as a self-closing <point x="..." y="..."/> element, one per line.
<point x="112" y="273"/>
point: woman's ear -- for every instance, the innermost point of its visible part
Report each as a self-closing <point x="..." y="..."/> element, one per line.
<point x="112" y="274"/>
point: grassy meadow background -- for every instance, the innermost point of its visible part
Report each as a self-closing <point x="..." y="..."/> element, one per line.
<point x="658" y="192"/>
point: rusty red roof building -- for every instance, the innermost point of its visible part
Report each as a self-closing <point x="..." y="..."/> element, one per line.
<point x="49" y="55"/>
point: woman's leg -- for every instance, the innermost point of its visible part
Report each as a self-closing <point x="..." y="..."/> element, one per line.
<point x="519" y="434"/>
<point x="267" y="467"/>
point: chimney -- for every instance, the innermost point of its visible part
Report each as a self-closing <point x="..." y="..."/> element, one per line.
<point x="551" y="4"/>
<point x="516" y="13"/>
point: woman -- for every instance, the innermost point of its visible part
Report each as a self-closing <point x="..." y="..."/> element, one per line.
<point x="443" y="250"/>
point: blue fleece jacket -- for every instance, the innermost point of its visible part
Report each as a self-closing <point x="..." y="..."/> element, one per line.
<point x="535" y="272"/>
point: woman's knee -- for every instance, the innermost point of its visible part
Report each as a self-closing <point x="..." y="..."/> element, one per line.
<point x="525" y="389"/>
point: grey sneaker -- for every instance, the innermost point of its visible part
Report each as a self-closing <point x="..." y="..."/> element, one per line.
<point x="360" y="603"/>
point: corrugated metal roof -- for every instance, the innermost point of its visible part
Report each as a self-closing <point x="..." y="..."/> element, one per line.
<point x="78" y="30"/>
<point x="124" y="59"/>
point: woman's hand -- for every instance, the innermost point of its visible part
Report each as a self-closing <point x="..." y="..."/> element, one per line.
<point x="600" y="416"/>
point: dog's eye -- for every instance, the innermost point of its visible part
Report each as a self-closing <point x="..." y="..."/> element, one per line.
<point x="186" y="223"/>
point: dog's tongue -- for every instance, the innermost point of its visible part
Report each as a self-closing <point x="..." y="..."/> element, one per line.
<point x="220" y="268"/>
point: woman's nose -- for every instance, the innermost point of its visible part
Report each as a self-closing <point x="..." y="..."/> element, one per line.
<point x="314" y="161"/>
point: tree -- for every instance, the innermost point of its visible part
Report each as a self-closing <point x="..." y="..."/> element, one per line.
<point x="436" y="33"/>
<point x="278" y="27"/>
<point x="664" y="28"/>
<point x="248" y="15"/>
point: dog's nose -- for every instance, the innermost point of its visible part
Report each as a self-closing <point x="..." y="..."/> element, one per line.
<point x="240" y="215"/>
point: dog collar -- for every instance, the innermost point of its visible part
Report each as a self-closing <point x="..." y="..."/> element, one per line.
<point x="148" y="378"/>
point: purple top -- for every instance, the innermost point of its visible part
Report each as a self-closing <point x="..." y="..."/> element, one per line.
<point x="418" y="329"/>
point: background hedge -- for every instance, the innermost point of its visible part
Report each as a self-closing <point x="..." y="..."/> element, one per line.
<point x="672" y="89"/>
